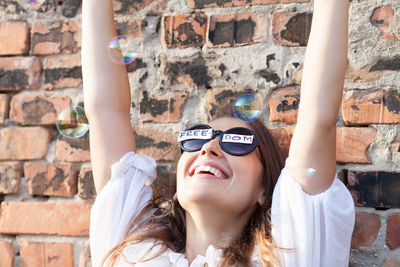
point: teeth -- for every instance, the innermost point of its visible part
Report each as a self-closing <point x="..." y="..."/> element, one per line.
<point x="214" y="171"/>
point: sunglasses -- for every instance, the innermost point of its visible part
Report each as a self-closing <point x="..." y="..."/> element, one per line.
<point x="238" y="141"/>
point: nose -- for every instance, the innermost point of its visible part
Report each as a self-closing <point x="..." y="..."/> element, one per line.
<point x="212" y="148"/>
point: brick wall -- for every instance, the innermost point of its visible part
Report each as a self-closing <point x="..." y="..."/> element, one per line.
<point x="195" y="58"/>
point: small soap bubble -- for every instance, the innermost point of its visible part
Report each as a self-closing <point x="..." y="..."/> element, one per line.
<point x="301" y="167"/>
<point x="36" y="3"/>
<point x="247" y="107"/>
<point x="117" y="54"/>
<point x="72" y="122"/>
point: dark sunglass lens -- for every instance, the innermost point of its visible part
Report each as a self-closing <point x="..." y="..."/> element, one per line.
<point x="195" y="143"/>
<point x="238" y="141"/>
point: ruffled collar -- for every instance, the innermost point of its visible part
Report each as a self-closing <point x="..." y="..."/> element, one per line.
<point x="211" y="259"/>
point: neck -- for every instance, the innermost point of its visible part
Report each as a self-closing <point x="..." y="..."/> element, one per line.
<point x="205" y="228"/>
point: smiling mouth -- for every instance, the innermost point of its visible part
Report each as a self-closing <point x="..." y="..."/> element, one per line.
<point x="208" y="170"/>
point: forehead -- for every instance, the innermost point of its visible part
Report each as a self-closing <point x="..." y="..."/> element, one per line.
<point x="227" y="123"/>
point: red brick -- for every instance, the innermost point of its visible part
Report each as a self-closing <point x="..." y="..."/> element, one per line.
<point x="235" y="3"/>
<point x="159" y="145"/>
<point x="4" y="103"/>
<point x="7" y="252"/>
<point x="184" y="30"/>
<point x="10" y="177"/>
<point x="375" y="189"/>
<point x="352" y="144"/>
<point x="391" y="263"/>
<point x="365" y="230"/>
<point x="393" y="231"/>
<point x="86" y="189"/>
<point x="382" y="18"/>
<point x="283" y="137"/>
<point x="62" y="72"/>
<point x="24" y="143"/>
<point x="19" y="43"/>
<point x="39" y="254"/>
<point x="85" y="259"/>
<point x="238" y="29"/>
<point x="45" y="218"/>
<point x="219" y="101"/>
<point x="166" y="108"/>
<point x="19" y="73"/>
<point x="51" y="179"/>
<point x="291" y="28"/>
<point x="37" y="108"/>
<point x="55" y="39"/>
<point x="73" y="149"/>
<point x="365" y="107"/>
<point x="284" y="105"/>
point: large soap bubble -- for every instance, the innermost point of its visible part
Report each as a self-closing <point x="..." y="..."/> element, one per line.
<point x="247" y="107"/>
<point x="72" y="122"/>
<point x="119" y="55"/>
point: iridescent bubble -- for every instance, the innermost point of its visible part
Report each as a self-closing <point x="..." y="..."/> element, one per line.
<point x="116" y="53"/>
<point x="247" y="107"/>
<point x="300" y="167"/>
<point x="36" y="3"/>
<point x="72" y="122"/>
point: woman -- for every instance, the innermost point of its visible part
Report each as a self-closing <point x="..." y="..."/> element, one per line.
<point x="219" y="213"/>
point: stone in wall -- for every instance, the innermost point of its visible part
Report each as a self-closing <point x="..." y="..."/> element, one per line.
<point x="219" y="101"/>
<point x="151" y="142"/>
<point x="192" y="72"/>
<point x="164" y="109"/>
<point x="127" y="7"/>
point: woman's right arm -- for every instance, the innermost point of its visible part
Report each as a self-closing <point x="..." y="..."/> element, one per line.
<point x="106" y="92"/>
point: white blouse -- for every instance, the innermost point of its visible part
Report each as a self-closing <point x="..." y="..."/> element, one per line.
<point x="317" y="227"/>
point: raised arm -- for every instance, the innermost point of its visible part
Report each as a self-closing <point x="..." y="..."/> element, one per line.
<point x="106" y="91"/>
<point x="314" y="139"/>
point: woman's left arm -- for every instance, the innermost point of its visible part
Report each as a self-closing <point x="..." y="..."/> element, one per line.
<point x="314" y="139"/>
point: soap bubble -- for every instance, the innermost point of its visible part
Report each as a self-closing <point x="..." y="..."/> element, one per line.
<point x="116" y="53"/>
<point x="36" y="3"/>
<point x="72" y="122"/>
<point x="300" y="167"/>
<point x="247" y="107"/>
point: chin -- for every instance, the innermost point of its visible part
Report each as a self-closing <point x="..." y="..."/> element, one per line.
<point x="197" y="196"/>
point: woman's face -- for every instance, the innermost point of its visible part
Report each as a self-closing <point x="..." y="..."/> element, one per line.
<point x="239" y="189"/>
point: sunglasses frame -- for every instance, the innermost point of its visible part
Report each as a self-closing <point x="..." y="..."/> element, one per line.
<point x="221" y="133"/>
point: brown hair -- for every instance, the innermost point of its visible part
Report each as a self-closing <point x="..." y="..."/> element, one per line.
<point x="167" y="226"/>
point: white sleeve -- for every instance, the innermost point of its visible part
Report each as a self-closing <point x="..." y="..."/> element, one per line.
<point x="120" y="201"/>
<point x="318" y="227"/>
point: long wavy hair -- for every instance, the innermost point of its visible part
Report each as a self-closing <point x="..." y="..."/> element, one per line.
<point x="167" y="225"/>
